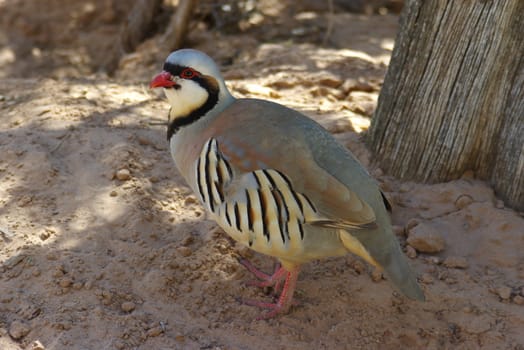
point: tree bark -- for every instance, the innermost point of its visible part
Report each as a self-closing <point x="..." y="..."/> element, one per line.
<point x="138" y="23"/>
<point x="453" y="97"/>
<point x="176" y="31"/>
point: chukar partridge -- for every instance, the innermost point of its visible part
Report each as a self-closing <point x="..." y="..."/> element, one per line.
<point x="275" y="180"/>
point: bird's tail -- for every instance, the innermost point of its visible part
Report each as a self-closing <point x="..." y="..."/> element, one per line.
<point x="381" y="248"/>
<point x="402" y="276"/>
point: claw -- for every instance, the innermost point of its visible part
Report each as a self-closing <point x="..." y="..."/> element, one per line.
<point x="285" y="300"/>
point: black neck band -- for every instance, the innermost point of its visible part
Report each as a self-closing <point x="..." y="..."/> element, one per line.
<point x="181" y="121"/>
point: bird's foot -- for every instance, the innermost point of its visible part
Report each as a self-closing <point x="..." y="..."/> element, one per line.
<point x="265" y="280"/>
<point x="285" y="300"/>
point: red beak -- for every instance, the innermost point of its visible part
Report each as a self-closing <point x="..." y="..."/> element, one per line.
<point x="162" y="80"/>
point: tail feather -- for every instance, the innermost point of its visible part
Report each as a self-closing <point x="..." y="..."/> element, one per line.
<point x="402" y="277"/>
<point x="383" y="247"/>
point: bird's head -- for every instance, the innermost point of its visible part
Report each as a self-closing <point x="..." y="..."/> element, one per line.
<point x="192" y="83"/>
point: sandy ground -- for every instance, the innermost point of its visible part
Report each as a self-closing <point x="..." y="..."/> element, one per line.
<point x="103" y="246"/>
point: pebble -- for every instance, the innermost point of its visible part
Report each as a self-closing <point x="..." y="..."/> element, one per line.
<point x="36" y="345"/>
<point x="519" y="300"/>
<point x="426" y="278"/>
<point x="127" y="306"/>
<point x="188" y="240"/>
<point x="411" y="252"/>
<point x="456" y="262"/>
<point x="65" y="282"/>
<point x="52" y="256"/>
<point x="123" y="174"/>
<point x="434" y="260"/>
<point x="425" y="239"/>
<point x="463" y="201"/>
<point x="18" y="330"/>
<point x="376" y="275"/>
<point x="154" y="332"/>
<point x="113" y="193"/>
<point x="504" y="292"/>
<point x="184" y="251"/>
<point x="357" y="265"/>
<point x="190" y="200"/>
<point x="411" y="223"/>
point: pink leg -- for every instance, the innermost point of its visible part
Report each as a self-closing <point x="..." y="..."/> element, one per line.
<point x="285" y="301"/>
<point x="266" y="279"/>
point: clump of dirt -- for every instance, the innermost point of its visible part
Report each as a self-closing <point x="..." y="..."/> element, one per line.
<point x="103" y="246"/>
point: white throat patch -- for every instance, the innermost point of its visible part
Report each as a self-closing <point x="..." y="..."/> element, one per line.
<point x="186" y="99"/>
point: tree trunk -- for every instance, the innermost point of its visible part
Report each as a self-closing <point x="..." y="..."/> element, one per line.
<point x="138" y="23"/>
<point x="453" y="97"/>
<point x="176" y="31"/>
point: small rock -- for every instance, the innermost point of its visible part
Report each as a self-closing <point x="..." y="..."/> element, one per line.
<point x="184" y="251"/>
<point x="426" y="239"/>
<point x="411" y="252"/>
<point x="188" y="240"/>
<point x="434" y="260"/>
<point x="65" y="282"/>
<point x="113" y="193"/>
<point x="426" y="278"/>
<point x="411" y="223"/>
<point x="57" y="272"/>
<point x="45" y="235"/>
<point x="154" y="332"/>
<point x="504" y="292"/>
<point x="143" y="141"/>
<point x="18" y="330"/>
<point x="123" y="174"/>
<point x="52" y="256"/>
<point x="463" y="201"/>
<point x="330" y="81"/>
<point x="88" y="285"/>
<point x="190" y="200"/>
<point x="357" y="265"/>
<point x="456" y="262"/>
<point x="36" y="272"/>
<point x="128" y="306"/>
<point x="376" y="275"/>
<point x="36" y="345"/>
<point x="519" y="300"/>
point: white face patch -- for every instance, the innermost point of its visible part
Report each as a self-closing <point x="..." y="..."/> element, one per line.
<point x="187" y="98"/>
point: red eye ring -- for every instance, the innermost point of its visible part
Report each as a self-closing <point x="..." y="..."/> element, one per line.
<point x="188" y="73"/>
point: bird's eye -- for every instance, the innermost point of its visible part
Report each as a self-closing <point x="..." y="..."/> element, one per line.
<point x="188" y="73"/>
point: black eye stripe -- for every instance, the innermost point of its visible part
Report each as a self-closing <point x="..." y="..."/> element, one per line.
<point x="178" y="70"/>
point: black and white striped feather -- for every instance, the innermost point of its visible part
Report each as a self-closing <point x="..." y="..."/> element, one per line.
<point x="258" y="208"/>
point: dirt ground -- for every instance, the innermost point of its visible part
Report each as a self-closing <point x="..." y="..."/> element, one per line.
<point x="103" y="246"/>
